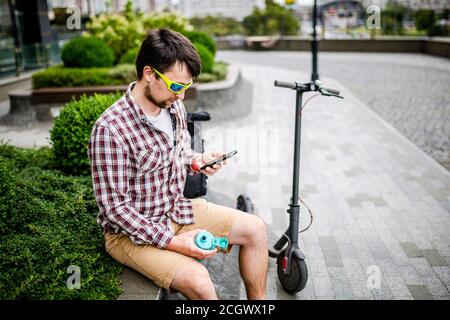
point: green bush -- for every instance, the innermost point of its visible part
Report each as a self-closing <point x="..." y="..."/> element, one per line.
<point x="23" y="157"/>
<point x="117" y="32"/>
<point x="72" y="130"/>
<point x="7" y="193"/>
<point x="217" y="25"/>
<point x="219" y="72"/>
<point x="274" y="19"/>
<point x="202" y="38"/>
<point x="130" y="56"/>
<point x="125" y="73"/>
<point x="206" y="77"/>
<point x="87" y="52"/>
<point x="206" y="57"/>
<point x="167" y="20"/>
<point x="48" y="225"/>
<point x="59" y="76"/>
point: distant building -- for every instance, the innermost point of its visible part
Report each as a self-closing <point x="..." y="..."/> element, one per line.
<point x="93" y="7"/>
<point x="425" y="4"/>
<point x="237" y="9"/>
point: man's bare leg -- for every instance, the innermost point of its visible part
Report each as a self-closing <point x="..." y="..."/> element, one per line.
<point x="194" y="282"/>
<point x="250" y="233"/>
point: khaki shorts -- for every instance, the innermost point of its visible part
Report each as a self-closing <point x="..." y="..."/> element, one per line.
<point x="162" y="265"/>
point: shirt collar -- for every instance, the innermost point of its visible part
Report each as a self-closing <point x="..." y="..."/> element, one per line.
<point x="134" y="105"/>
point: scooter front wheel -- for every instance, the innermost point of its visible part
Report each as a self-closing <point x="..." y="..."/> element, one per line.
<point x="295" y="280"/>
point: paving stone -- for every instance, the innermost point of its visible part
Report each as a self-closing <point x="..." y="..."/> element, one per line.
<point x="387" y="267"/>
<point x="420" y="292"/>
<point x="326" y="298"/>
<point x="447" y="297"/>
<point x="435" y="286"/>
<point x="434" y="258"/>
<point x="317" y="268"/>
<point x="346" y="250"/>
<point x="398" y="286"/>
<point x="411" y="250"/>
<point x="322" y="286"/>
<point x="308" y="292"/>
<point x="341" y="288"/>
<point x="422" y="266"/>
<point x="330" y="252"/>
<point x="410" y="297"/>
<point x="443" y="273"/>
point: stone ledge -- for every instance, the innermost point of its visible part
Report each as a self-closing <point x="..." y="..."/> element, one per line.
<point x="438" y="46"/>
<point x="36" y="104"/>
<point x="232" y="76"/>
<point x="138" y="287"/>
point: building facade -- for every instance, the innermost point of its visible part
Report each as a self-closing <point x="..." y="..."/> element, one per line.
<point x="237" y="9"/>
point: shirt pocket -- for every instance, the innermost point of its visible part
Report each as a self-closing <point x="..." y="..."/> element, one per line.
<point x="149" y="160"/>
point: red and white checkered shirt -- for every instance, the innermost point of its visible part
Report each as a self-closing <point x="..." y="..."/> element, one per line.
<point x="138" y="178"/>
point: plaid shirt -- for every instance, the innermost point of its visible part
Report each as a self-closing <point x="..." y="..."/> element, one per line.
<point x="138" y="175"/>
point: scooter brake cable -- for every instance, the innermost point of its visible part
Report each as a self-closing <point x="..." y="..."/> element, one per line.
<point x="310" y="214"/>
<point x="307" y="100"/>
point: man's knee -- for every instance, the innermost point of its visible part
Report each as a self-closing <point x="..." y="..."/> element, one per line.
<point x="255" y="232"/>
<point x="260" y="233"/>
<point x="194" y="281"/>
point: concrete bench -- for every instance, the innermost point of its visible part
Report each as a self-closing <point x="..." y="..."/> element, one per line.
<point x="21" y="111"/>
<point x="261" y="42"/>
<point x="138" y="287"/>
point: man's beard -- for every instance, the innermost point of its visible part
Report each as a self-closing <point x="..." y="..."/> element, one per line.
<point x="148" y="94"/>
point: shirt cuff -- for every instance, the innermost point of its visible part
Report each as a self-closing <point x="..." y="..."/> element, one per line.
<point x="195" y="164"/>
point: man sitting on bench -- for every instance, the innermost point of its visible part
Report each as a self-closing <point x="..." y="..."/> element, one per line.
<point x="140" y="154"/>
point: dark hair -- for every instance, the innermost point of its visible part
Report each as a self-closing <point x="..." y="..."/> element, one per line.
<point x="162" y="48"/>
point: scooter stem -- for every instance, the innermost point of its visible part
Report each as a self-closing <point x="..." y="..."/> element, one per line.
<point x="298" y="130"/>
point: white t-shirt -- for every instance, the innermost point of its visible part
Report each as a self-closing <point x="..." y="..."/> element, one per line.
<point x="163" y="122"/>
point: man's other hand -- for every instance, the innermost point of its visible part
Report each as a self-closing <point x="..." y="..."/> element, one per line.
<point x="184" y="243"/>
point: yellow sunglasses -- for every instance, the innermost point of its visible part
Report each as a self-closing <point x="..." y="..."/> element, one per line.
<point x="173" y="86"/>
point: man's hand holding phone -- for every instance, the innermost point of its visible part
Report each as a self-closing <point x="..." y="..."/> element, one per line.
<point x="210" y="162"/>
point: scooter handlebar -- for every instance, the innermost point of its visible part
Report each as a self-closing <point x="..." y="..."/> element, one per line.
<point x="333" y="91"/>
<point x="283" y="84"/>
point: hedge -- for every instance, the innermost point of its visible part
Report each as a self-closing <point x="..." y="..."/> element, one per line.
<point x="202" y="38"/>
<point x="47" y="224"/>
<point x="206" y="57"/>
<point x="87" y="52"/>
<point x="130" y="56"/>
<point x="59" y="76"/>
<point x="72" y="130"/>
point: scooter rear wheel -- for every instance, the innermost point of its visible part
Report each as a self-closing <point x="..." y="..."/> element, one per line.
<point x="296" y="280"/>
<point x="244" y="203"/>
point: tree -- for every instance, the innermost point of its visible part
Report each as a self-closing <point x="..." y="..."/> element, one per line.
<point x="217" y="25"/>
<point x="275" y="19"/>
<point x="429" y="20"/>
<point x="392" y="18"/>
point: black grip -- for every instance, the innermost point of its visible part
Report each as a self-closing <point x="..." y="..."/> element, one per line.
<point x="198" y="116"/>
<point x="333" y="91"/>
<point x="283" y="84"/>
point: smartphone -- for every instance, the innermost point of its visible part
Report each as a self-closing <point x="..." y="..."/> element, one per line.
<point x="218" y="160"/>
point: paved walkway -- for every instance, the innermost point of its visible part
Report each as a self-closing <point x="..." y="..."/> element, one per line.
<point x="377" y="199"/>
<point x="409" y="90"/>
<point x="379" y="202"/>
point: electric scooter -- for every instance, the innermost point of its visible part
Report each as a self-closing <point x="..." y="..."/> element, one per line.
<point x="292" y="270"/>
